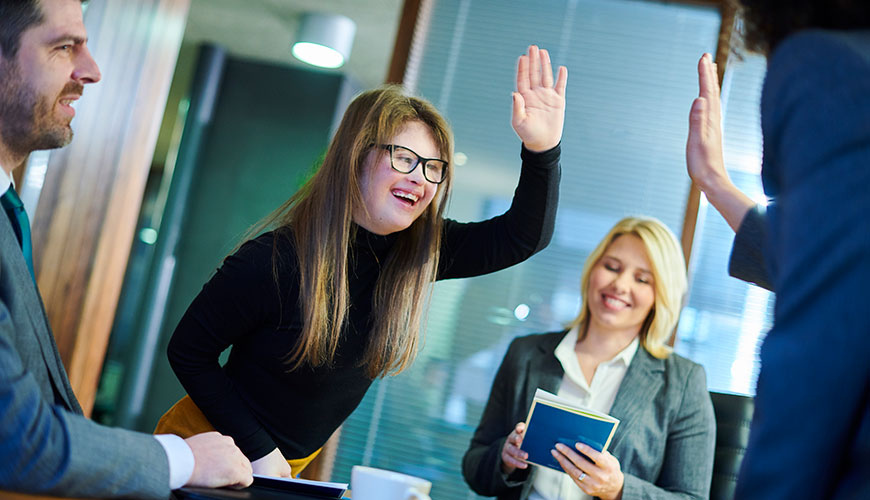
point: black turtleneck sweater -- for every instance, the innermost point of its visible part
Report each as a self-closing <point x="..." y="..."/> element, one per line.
<point x="254" y="398"/>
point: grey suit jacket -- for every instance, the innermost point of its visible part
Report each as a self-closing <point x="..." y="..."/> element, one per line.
<point x="664" y="442"/>
<point x="46" y="445"/>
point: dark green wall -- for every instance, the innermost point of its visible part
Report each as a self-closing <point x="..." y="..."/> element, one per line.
<point x="270" y="126"/>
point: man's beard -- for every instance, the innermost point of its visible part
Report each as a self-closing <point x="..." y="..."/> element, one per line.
<point x="27" y="119"/>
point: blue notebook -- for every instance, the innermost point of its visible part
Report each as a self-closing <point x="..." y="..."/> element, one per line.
<point x="555" y="420"/>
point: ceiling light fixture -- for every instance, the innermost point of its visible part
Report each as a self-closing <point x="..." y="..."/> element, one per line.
<point x="324" y="40"/>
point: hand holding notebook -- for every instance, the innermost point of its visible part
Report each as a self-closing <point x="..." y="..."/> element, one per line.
<point x="554" y="420"/>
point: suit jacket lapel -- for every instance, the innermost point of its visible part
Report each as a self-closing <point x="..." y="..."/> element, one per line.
<point x="641" y="383"/>
<point x="30" y="298"/>
<point x="545" y="371"/>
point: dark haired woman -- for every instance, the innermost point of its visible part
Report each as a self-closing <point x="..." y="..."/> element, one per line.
<point x="811" y="432"/>
<point x="334" y="295"/>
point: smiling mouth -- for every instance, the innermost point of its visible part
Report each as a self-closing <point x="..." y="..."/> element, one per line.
<point x="409" y="199"/>
<point x="613" y="302"/>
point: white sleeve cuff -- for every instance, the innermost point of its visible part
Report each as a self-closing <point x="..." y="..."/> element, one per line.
<point x="180" y="459"/>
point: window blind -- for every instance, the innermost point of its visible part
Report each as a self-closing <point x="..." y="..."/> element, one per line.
<point x="632" y="78"/>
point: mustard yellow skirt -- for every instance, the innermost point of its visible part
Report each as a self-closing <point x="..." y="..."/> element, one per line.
<point x="185" y="419"/>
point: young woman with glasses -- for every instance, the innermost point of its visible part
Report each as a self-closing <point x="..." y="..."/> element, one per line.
<point x="333" y="295"/>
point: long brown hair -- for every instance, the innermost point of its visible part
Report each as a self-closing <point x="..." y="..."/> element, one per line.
<point x="320" y="218"/>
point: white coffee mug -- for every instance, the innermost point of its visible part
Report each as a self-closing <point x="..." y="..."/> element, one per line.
<point x="368" y="483"/>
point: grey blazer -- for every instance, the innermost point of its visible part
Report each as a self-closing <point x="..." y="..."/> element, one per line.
<point x="46" y="445"/>
<point x="664" y="442"/>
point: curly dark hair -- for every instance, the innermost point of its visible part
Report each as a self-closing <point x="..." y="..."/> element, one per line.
<point x="16" y="17"/>
<point x="768" y="22"/>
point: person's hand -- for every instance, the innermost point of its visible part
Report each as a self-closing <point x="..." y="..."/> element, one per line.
<point x="217" y="462"/>
<point x="704" y="159"/>
<point x="512" y="457"/>
<point x="704" y="146"/>
<point x="274" y="464"/>
<point x="538" y="105"/>
<point x="599" y="477"/>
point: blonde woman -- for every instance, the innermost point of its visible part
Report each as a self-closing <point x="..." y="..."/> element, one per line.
<point x="334" y="295"/>
<point x="612" y="358"/>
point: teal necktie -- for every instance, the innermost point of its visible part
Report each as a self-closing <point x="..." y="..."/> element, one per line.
<point x="18" y="217"/>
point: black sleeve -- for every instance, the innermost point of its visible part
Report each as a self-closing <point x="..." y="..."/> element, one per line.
<point x="476" y="248"/>
<point x="747" y="253"/>
<point x="238" y="300"/>
<point x="481" y="465"/>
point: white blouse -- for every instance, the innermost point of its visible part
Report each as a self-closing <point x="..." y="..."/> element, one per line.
<point x="599" y="396"/>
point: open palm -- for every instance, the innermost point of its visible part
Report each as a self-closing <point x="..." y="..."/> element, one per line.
<point x="538" y="104"/>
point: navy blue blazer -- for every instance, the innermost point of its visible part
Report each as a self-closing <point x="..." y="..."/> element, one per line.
<point x="810" y="436"/>
<point x="664" y="442"/>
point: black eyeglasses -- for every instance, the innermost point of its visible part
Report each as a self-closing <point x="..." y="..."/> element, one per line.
<point x="404" y="160"/>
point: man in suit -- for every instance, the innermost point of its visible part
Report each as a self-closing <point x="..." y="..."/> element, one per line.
<point x="46" y="445"/>
<point x="810" y="436"/>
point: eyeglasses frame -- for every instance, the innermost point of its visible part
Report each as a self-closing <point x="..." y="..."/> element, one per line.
<point x="420" y="161"/>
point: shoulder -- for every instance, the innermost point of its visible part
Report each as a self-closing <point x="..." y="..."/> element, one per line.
<point x="676" y="370"/>
<point x="810" y="44"/>
<point x="258" y="259"/>
<point x="819" y="56"/>
<point x="528" y="346"/>
<point x="685" y="374"/>
<point x="260" y="250"/>
<point x="681" y="365"/>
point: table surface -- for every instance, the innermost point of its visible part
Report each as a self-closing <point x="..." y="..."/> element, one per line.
<point x="251" y="493"/>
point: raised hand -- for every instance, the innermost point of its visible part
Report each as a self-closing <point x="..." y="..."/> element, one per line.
<point x="538" y="104"/>
<point x="600" y="476"/>
<point x="704" y="148"/>
<point x="512" y="457"/>
<point x="217" y="462"/>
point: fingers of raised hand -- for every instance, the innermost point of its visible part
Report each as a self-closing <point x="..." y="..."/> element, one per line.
<point x="535" y="70"/>
<point x="562" y="81"/>
<point x="708" y="79"/>
<point x="546" y="69"/>
<point x="523" y="74"/>
<point x="535" y="57"/>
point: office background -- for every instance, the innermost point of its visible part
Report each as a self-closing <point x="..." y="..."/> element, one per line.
<point x="240" y="133"/>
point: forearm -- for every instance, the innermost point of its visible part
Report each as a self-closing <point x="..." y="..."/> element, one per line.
<point x="747" y="261"/>
<point x="473" y="249"/>
<point x="215" y="394"/>
<point x="729" y="201"/>
<point x="47" y="450"/>
<point x="481" y="468"/>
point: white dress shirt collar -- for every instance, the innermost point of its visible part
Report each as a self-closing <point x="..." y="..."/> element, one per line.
<point x="568" y="358"/>
<point x="5" y="180"/>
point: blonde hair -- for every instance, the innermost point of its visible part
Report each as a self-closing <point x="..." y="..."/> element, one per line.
<point x="320" y="218"/>
<point x="668" y="267"/>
